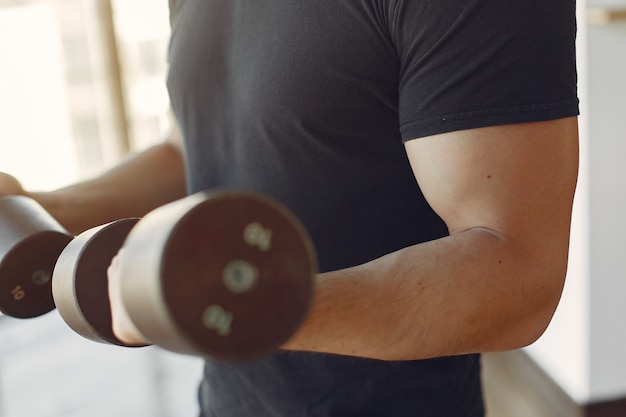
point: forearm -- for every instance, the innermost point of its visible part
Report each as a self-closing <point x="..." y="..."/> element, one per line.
<point x="131" y="189"/>
<point x="474" y="291"/>
<point x="494" y="283"/>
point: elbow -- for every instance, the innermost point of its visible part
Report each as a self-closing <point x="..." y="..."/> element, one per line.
<point x="536" y="310"/>
<point x="533" y="331"/>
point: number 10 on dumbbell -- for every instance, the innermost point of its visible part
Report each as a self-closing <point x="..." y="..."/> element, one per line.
<point x="226" y="275"/>
<point x="30" y="243"/>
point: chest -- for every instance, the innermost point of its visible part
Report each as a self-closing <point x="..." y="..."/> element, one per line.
<point x="280" y="58"/>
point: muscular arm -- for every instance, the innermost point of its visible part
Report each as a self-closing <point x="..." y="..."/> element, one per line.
<point x="505" y="194"/>
<point x="137" y="185"/>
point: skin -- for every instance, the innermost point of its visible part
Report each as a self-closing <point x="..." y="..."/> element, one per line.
<point x="505" y="193"/>
<point x="136" y="186"/>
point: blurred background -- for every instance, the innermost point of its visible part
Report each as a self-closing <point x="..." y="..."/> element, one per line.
<point x="82" y="83"/>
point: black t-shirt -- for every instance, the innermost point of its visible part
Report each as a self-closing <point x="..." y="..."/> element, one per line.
<point x="310" y="101"/>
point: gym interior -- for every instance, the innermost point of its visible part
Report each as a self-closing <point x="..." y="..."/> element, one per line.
<point x="82" y="85"/>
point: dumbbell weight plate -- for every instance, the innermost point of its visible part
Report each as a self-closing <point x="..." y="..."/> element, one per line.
<point x="227" y="276"/>
<point x="80" y="283"/>
<point x="30" y="243"/>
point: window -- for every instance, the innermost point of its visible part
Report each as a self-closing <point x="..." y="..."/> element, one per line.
<point x="72" y="102"/>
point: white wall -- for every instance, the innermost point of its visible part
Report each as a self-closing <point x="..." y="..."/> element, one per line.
<point x="607" y="114"/>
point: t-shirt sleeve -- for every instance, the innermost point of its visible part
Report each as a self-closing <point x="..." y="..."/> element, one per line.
<point x="477" y="63"/>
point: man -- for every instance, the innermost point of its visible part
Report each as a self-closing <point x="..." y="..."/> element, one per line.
<point x="430" y="148"/>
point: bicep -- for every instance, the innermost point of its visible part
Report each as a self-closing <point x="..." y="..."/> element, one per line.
<point x="517" y="180"/>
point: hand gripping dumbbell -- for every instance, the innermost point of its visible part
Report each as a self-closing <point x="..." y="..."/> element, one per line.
<point x="32" y="241"/>
<point x="227" y="275"/>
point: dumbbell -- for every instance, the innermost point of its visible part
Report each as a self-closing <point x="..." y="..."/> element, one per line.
<point x="80" y="282"/>
<point x="31" y="240"/>
<point x="226" y="275"/>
